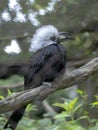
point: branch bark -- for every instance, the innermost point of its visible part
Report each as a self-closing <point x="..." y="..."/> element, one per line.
<point x="40" y="93"/>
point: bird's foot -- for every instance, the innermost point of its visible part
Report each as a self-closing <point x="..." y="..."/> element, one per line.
<point x="47" y="84"/>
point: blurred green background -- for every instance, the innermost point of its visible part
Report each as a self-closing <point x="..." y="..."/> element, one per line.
<point x="18" y="21"/>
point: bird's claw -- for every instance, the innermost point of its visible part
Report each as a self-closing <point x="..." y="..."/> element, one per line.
<point x="47" y="84"/>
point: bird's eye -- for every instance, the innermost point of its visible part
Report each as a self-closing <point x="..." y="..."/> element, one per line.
<point x="53" y="38"/>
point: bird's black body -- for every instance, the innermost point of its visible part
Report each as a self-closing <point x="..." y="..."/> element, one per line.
<point x="45" y="65"/>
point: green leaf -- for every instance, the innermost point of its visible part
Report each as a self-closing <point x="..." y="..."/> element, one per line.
<point x="68" y="126"/>
<point x="61" y="105"/>
<point x="79" y="91"/>
<point x="76" y="108"/>
<point x="62" y="115"/>
<point x="68" y="106"/>
<point x="96" y="96"/>
<point x="1" y="97"/>
<point x="9" y="92"/>
<point x="72" y="103"/>
<point x="31" y="107"/>
<point x="94" y="103"/>
<point x="82" y="117"/>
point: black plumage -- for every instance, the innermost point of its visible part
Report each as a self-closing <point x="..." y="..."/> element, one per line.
<point x="45" y="65"/>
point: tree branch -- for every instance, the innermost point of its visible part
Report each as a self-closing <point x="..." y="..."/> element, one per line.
<point x="10" y="86"/>
<point x="40" y="93"/>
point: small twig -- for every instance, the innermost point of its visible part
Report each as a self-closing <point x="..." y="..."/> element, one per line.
<point x="48" y="108"/>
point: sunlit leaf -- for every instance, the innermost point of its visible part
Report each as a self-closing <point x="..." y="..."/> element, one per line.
<point x="72" y="103"/>
<point x="61" y="105"/>
<point x="79" y="91"/>
<point x="30" y="107"/>
<point x="94" y="103"/>
<point x="9" y="92"/>
<point x="1" y="97"/>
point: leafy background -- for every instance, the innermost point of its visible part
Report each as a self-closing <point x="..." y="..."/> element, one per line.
<point x="18" y="21"/>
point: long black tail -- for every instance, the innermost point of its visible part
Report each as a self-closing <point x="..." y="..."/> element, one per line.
<point x="15" y="118"/>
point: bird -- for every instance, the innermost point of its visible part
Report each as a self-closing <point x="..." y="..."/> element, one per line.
<point x="47" y="62"/>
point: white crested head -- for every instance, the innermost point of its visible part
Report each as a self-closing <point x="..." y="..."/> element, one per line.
<point x="42" y="37"/>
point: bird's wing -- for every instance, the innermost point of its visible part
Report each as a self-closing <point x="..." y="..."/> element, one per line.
<point x="40" y="66"/>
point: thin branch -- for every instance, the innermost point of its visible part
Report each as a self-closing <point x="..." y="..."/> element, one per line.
<point x="12" y="86"/>
<point x="48" y="108"/>
<point x="40" y="93"/>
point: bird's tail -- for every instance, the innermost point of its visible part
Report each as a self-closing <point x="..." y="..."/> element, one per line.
<point x="15" y="118"/>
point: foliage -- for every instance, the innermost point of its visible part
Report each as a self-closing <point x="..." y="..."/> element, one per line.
<point x="66" y="119"/>
<point x="18" y="22"/>
<point x="96" y="102"/>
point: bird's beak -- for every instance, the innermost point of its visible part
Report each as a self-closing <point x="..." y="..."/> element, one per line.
<point x="65" y="36"/>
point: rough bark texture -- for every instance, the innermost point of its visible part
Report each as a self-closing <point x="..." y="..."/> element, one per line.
<point x="40" y="93"/>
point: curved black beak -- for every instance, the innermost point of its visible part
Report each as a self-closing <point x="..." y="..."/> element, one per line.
<point x="65" y="36"/>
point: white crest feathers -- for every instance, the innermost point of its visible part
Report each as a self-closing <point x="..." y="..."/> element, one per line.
<point x="42" y="36"/>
